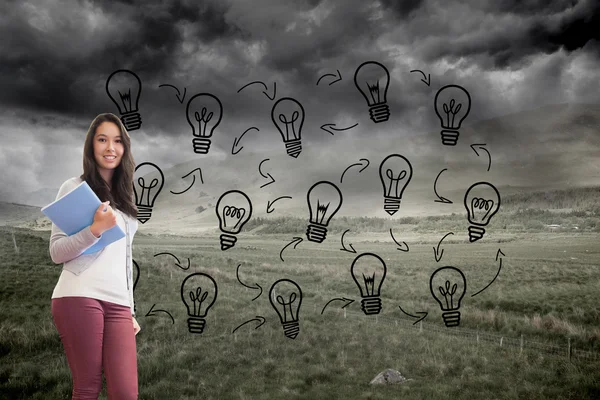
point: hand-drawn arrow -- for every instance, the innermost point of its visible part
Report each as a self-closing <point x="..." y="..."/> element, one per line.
<point x="153" y="312"/>
<point x="236" y="141"/>
<point x="497" y="273"/>
<point x="347" y="301"/>
<point x="441" y="199"/>
<point x="484" y="149"/>
<point x="178" y="263"/>
<point x="295" y="242"/>
<point x="193" y="180"/>
<point x="331" y="83"/>
<point x="436" y="252"/>
<point x="426" y="79"/>
<point x="258" y="318"/>
<point x="354" y="165"/>
<point x="237" y="274"/>
<point x="270" y="203"/>
<point x="263" y="175"/>
<point x="327" y="127"/>
<point x="178" y="98"/>
<point x="414" y="316"/>
<point x="349" y="244"/>
<point x="399" y="248"/>
<point x="265" y="86"/>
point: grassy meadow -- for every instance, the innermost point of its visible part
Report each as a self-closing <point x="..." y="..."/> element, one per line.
<point x="547" y="291"/>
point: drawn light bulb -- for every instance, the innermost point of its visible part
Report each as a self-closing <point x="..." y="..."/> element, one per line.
<point x="395" y="172"/>
<point x="124" y="88"/>
<point x="448" y="286"/>
<point x="198" y="293"/>
<point x="204" y="112"/>
<point x="452" y="105"/>
<point x="324" y="200"/>
<point x="373" y="80"/>
<point x="288" y="116"/>
<point x="482" y="201"/>
<point x="286" y="297"/>
<point x="233" y="210"/>
<point x="145" y="194"/>
<point x="368" y="271"/>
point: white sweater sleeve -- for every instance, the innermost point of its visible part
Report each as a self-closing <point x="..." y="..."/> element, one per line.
<point x="64" y="248"/>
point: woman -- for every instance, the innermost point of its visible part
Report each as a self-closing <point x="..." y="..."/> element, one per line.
<point x="92" y="303"/>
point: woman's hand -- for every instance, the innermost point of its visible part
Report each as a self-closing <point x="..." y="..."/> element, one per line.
<point x="136" y="326"/>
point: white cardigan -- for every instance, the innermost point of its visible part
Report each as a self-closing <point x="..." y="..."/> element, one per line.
<point x="105" y="275"/>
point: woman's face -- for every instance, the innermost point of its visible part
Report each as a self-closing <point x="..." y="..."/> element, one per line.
<point x="108" y="142"/>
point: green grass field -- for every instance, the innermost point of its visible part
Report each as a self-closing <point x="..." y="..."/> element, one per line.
<point x="547" y="291"/>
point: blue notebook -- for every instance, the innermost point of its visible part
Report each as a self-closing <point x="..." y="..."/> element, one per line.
<point x="75" y="211"/>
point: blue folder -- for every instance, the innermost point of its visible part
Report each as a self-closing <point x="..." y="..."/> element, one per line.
<point x="75" y="211"/>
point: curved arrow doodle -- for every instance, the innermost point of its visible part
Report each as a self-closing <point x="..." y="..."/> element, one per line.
<point x="326" y="128"/>
<point x="258" y="318"/>
<point x="178" y="98"/>
<point x="497" y="273"/>
<point x="347" y="301"/>
<point x="484" y="149"/>
<point x="263" y="175"/>
<point x="270" y="203"/>
<point x="354" y="165"/>
<point x="237" y="274"/>
<point x="337" y="80"/>
<point x="153" y="312"/>
<point x="414" y="316"/>
<point x="264" y="91"/>
<point x="177" y="263"/>
<point x="344" y="246"/>
<point x="426" y="79"/>
<point x="436" y="252"/>
<point x="236" y="141"/>
<point x="399" y="244"/>
<point x="193" y="180"/>
<point x="441" y="199"/>
<point x="295" y="242"/>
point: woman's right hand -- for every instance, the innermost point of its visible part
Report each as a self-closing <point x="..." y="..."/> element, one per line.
<point x="104" y="219"/>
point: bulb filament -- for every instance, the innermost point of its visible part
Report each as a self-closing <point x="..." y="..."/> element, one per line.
<point x="394" y="182"/>
<point x="289" y="124"/>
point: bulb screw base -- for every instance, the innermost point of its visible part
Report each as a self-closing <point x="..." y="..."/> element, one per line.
<point x="196" y="325"/>
<point x="132" y="121"/>
<point x="475" y="233"/>
<point x="391" y="205"/>
<point x="291" y="329"/>
<point x="227" y="241"/>
<point x="449" y="138"/>
<point x="144" y="213"/>
<point x="371" y="305"/>
<point x="379" y="113"/>
<point x="451" y="318"/>
<point x="201" y="145"/>
<point x="316" y="233"/>
<point x="293" y="147"/>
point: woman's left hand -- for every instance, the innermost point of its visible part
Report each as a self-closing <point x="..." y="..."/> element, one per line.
<point x="136" y="326"/>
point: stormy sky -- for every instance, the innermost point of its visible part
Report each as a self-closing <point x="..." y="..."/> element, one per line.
<point x="56" y="57"/>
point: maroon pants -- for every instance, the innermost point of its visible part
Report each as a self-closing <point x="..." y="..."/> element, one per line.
<point x="98" y="334"/>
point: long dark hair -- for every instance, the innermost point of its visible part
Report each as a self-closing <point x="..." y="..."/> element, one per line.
<point x="121" y="196"/>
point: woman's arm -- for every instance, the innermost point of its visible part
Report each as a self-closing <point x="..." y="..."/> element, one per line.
<point x="64" y="248"/>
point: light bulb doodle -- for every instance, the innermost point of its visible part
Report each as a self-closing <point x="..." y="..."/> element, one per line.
<point x="198" y="293"/>
<point x="286" y="297"/>
<point x="203" y="112"/>
<point x="233" y="209"/>
<point x="368" y="271"/>
<point x="452" y="104"/>
<point x="124" y="88"/>
<point x="448" y="286"/>
<point x="482" y="201"/>
<point x="373" y="80"/>
<point x="288" y="116"/>
<point x="324" y="200"/>
<point x="145" y="196"/>
<point x="395" y="172"/>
